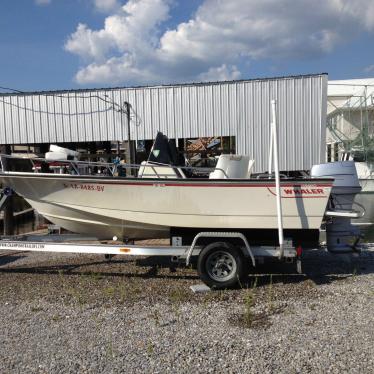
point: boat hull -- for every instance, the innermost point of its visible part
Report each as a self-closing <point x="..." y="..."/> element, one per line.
<point x="139" y="209"/>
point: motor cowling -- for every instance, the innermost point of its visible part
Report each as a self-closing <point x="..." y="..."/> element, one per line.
<point x="341" y="235"/>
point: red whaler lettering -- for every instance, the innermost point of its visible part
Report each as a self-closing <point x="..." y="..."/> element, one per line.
<point x="288" y="192"/>
<point x="303" y="191"/>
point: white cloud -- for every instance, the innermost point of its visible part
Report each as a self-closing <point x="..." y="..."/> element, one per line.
<point x="131" y="49"/>
<point x="130" y="30"/>
<point x="90" y="45"/>
<point x="114" y="70"/>
<point x="369" y="69"/>
<point x="42" y="2"/>
<point x="221" y="73"/>
<point x="106" y="6"/>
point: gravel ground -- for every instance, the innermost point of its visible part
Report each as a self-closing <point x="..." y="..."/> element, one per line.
<point x="64" y="313"/>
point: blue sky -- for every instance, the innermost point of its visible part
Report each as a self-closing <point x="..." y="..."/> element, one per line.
<point x="62" y="44"/>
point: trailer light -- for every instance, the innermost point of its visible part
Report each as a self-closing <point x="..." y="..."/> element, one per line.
<point x="299" y="251"/>
<point x="125" y="250"/>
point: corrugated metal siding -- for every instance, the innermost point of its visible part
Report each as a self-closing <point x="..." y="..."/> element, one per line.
<point x="238" y="108"/>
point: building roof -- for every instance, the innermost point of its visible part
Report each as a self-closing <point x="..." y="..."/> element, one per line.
<point x="350" y="87"/>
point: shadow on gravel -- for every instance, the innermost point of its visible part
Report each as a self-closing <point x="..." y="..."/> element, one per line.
<point x="318" y="266"/>
<point x="153" y="270"/>
<point x="6" y="259"/>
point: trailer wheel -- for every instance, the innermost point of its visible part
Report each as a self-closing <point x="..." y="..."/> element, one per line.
<point x="220" y="265"/>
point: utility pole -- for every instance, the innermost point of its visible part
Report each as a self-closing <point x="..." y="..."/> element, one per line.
<point x="131" y="149"/>
<point x="128" y="117"/>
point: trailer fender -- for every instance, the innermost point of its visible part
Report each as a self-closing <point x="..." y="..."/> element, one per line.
<point x="247" y="252"/>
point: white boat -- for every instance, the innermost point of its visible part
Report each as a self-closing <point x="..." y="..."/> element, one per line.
<point x="225" y="214"/>
<point x="149" y="207"/>
<point x="165" y="201"/>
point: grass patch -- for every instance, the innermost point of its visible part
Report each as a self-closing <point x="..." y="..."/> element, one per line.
<point x="176" y="311"/>
<point x="249" y="302"/>
<point x="77" y="295"/>
<point x="179" y="295"/>
<point x="110" y="350"/>
<point x="248" y="318"/>
<point x="94" y="276"/>
<point x="109" y="291"/>
<point x="271" y="294"/>
<point x="156" y="316"/>
<point x="36" y="309"/>
<point x="150" y="349"/>
<point x="313" y="307"/>
<point x="56" y="318"/>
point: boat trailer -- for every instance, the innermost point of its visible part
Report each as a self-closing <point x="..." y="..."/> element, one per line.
<point x="220" y="264"/>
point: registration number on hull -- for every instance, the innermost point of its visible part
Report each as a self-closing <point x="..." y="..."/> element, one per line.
<point x="85" y="187"/>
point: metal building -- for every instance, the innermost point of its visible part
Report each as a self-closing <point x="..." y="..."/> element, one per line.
<point x="235" y="108"/>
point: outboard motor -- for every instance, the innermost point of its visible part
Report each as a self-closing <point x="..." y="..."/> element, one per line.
<point x="341" y="235"/>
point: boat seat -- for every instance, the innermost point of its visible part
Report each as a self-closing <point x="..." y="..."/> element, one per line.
<point x="155" y="170"/>
<point x="232" y="167"/>
<point x="54" y="156"/>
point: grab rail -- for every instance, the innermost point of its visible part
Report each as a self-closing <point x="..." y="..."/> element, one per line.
<point x="111" y="167"/>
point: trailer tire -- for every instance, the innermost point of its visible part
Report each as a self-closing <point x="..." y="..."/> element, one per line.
<point x="220" y="265"/>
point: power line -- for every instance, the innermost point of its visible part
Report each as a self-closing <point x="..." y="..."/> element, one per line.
<point x="114" y="106"/>
<point x="11" y="89"/>
<point x="56" y="113"/>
